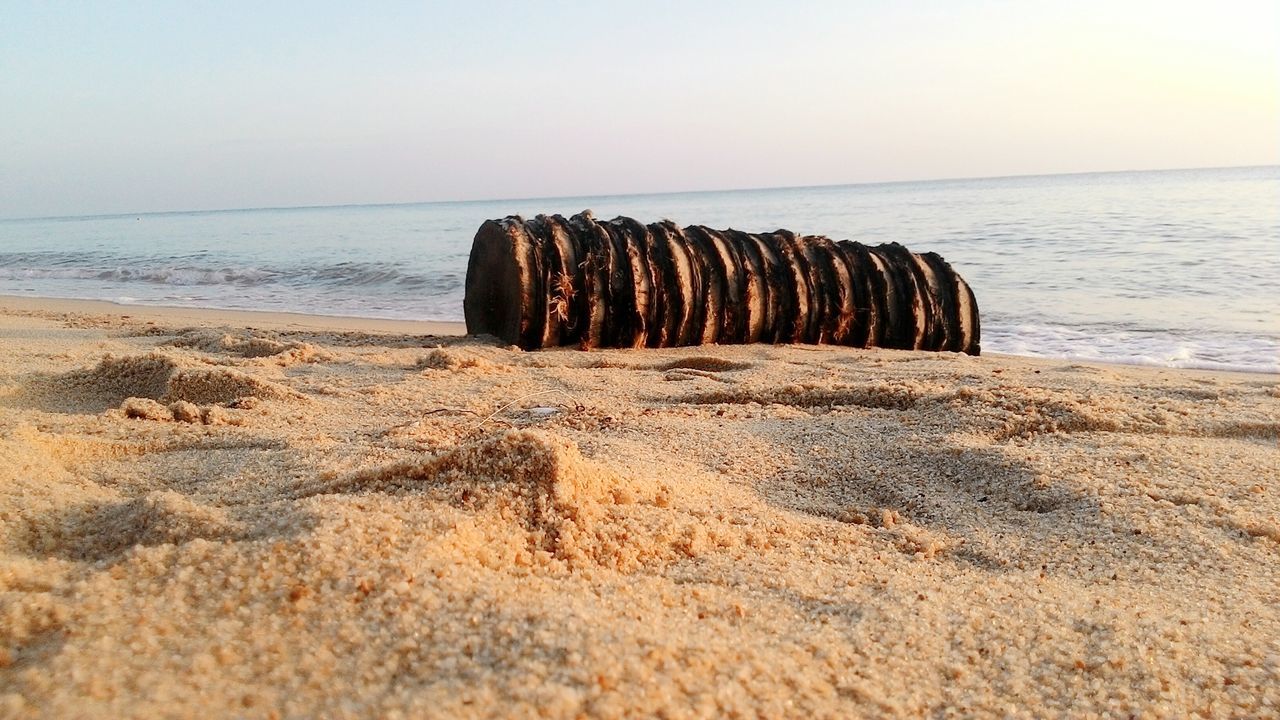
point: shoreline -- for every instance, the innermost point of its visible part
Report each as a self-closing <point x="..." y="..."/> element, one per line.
<point x="289" y="321"/>
<point x="263" y="319"/>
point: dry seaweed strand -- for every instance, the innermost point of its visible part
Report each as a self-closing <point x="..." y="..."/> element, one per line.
<point x="577" y="406"/>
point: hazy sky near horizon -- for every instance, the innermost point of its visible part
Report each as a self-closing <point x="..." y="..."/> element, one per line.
<point x="136" y="107"/>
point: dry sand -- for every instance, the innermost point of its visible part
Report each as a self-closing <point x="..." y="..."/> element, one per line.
<point x="240" y="515"/>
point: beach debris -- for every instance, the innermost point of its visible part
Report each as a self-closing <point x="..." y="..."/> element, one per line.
<point x="540" y="411"/>
<point x="553" y="281"/>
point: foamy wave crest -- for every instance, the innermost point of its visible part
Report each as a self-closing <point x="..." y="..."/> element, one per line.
<point x="362" y="274"/>
<point x="100" y="269"/>
<point x="1162" y="348"/>
<point x="157" y="275"/>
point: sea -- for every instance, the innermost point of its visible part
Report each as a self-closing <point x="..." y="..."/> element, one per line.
<point x="1176" y="268"/>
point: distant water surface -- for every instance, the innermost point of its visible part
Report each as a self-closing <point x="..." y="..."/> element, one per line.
<point x="1174" y="268"/>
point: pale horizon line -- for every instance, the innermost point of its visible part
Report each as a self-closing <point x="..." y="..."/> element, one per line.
<point x="870" y="183"/>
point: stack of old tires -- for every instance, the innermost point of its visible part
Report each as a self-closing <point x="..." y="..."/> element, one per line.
<point x="553" y="281"/>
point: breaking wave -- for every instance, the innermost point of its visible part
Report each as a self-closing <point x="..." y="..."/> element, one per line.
<point x="128" y="271"/>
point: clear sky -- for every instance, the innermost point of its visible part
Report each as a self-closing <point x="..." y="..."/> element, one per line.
<point x="134" y="107"/>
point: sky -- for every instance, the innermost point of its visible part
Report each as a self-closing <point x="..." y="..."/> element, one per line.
<point x="119" y="107"/>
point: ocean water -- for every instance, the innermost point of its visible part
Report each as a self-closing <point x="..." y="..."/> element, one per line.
<point x="1174" y="268"/>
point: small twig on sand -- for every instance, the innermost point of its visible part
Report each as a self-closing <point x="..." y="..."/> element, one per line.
<point x="577" y="405"/>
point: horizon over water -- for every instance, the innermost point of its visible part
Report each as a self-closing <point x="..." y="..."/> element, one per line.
<point x="558" y="198"/>
<point x="1178" y="268"/>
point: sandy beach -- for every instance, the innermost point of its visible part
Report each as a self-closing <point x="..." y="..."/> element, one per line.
<point x="234" y="514"/>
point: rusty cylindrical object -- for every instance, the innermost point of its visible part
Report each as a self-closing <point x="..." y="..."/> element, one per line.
<point x="554" y="281"/>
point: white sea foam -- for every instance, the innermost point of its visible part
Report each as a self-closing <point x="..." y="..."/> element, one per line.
<point x="1173" y="349"/>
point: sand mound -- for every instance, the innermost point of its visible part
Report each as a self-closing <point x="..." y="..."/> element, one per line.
<point x="116" y="378"/>
<point x="707" y="364"/>
<point x="249" y="346"/>
<point x="98" y="531"/>
<point x="886" y="395"/>
<point x="33" y="482"/>
<point x="64" y="514"/>
<point x="222" y="385"/>
<point x="158" y="377"/>
<point x="1003" y="413"/>
<point x="701" y="363"/>
<point x="441" y="359"/>
<point x="1022" y="413"/>
<point x="565" y="503"/>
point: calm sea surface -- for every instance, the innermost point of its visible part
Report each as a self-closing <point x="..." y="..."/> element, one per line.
<point x="1174" y="268"/>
